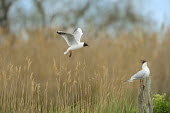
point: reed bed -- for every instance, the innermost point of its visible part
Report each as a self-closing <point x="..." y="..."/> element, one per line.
<point x="35" y="75"/>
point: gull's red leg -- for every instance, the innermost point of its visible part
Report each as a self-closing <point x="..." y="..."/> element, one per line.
<point x="143" y="84"/>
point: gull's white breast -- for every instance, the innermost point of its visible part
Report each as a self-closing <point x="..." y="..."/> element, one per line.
<point x="75" y="47"/>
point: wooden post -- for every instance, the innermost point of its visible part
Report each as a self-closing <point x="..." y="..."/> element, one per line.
<point x="148" y="97"/>
<point x="145" y="98"/>
<point x="141" y="100"/>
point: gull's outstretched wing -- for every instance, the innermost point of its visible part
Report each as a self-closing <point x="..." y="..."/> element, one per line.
<point x="69" y="38"/>
<point x="139" y="75"/>
<point x="77" y="34"/>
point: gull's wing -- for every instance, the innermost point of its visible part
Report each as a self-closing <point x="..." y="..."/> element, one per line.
<point x="77" y="34"/>
<point x="139" y="75"/>
<point x="69" y="38"/>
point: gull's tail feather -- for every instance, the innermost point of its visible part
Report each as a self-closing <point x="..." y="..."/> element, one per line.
<point x="65" y="52"/>
<point x="130" y="80"/>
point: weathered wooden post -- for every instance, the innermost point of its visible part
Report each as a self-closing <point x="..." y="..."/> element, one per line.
<point x="141" y="100"/>
<point x="145" y="98"/>
<point x="148" y="95"/>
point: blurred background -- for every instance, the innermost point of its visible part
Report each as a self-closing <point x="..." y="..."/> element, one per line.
<point x="35" y="76"/>
<point x="113" y="16"/>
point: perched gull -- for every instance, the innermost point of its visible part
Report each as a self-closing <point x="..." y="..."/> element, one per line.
<point x="145" y="72"/>
<point x="73" y="40"/>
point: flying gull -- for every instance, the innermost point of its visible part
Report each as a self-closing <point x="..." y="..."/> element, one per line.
<point x="145" y="72"/>
<point x="73" y="40"/>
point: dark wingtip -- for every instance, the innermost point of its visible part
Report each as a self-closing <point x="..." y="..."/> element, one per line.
<point x="60" y="33"/>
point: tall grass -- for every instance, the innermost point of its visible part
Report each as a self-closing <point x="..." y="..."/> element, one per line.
<point x="35" y="76"/>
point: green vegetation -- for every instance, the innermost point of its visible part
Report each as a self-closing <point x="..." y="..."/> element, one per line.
<point x="161" y="103"/>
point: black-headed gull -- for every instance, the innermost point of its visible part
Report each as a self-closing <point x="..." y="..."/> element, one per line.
<point x="73" y="40"/>
<point x="145" y="72"/>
